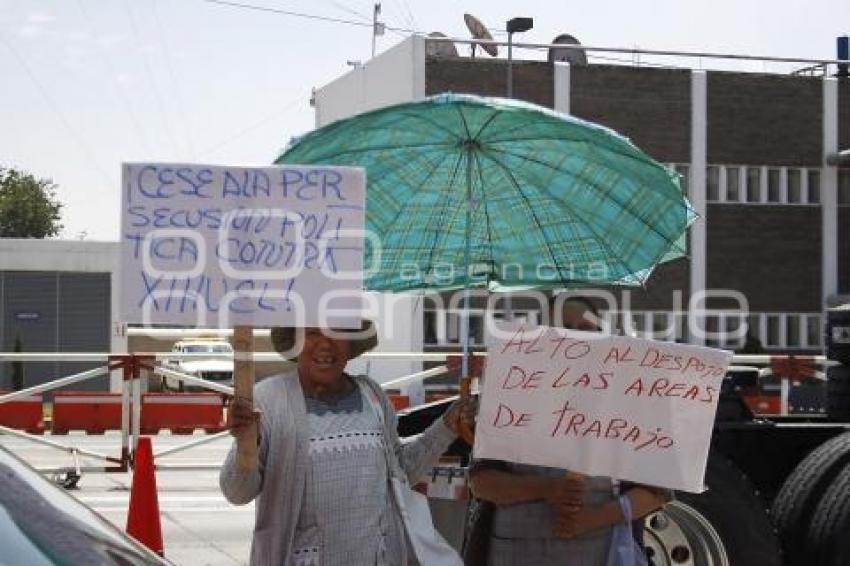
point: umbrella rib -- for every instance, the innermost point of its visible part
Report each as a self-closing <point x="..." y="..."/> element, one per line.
<point x="448" y="195"/>
<point x="486" y="124"/>
<point x="596" y="236"/>
<point x="433" y="123"/>
<point x="333" y="155"/>
<point x="530" y="208"/>
<point x="484" y="204"/>
<point x="463" y="119"/>
<point x="598" y="189"/>
<point x="640" y="159"/>
<point x="389" y="225"/>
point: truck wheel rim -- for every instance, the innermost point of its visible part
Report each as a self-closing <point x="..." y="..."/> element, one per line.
<point x="680" y="535"/>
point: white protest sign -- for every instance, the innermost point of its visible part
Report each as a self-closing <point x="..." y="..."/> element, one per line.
<point x="207" y="245"/>
<point x="616" y="406"/>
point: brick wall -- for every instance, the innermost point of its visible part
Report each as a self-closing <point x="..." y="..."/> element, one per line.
<point x="650" y="106"/>
<point x="764" y="119"/>
<point x="772" y="254"/>
<point x="533" y="80"/>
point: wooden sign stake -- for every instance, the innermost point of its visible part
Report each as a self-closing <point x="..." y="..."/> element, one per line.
<point x="243" y="389"/>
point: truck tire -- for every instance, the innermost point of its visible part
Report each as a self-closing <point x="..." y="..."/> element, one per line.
<point x="794" y="505"/>
<point x="726" y="525"/>
<point x="828" y="533"/>
<point x="838" y="392"/>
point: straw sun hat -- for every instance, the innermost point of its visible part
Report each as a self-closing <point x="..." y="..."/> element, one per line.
<point x="363" y="339"/>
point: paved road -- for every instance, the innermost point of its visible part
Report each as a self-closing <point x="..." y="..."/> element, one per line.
<point x="199" y="527"/>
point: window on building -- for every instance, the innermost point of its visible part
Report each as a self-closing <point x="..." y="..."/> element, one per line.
<point x="792" y="331"/>
<point x="813" y="331"/>
<point x="638" y="323"/>
<point x="452" y="327"/>
<point x="844" y="186"/>
<point x="663" y="327"/>
<point x="774" y="185"/>
<point x="754" y="328"/>
<point x="610" y="319"/>
<point x="733" y="182"/>
<point x="794" y="186"/>
<point x="773" y="323"/>
<point x="476" y="329"/>
<point x="684" y="178"/>
<point x="814" y="186"/>
<point x="430" y="328"/>
<point x="712" y="181"/>
<point x="731" y="326"/>
<point x="712" y="331"/>
<point x="753" y="184"/>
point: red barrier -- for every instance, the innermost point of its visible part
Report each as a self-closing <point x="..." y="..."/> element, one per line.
<point x="399" y="401"/>
<point x="24" y="414"/>
<point x="93" y="412"/>
<point x="182" y="413"/>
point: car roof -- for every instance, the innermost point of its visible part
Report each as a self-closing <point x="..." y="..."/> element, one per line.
<point x="46" y="525"/>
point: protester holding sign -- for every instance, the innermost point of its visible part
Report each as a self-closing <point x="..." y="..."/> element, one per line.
<point x="545" y="515"/>
<point x="327" y="452"/>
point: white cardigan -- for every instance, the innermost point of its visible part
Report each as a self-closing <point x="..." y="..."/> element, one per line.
<point x="278" y="483"/>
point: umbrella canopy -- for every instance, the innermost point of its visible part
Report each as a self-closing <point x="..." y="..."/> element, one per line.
<point x="470" y="191"/>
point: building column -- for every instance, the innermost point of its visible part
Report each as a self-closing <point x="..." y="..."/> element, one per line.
<point x="562" y="87"/>
<point x="829" y="192"/>
<point x="117" y="323"/>
<point x="418" y="57"/>
<point x="697" y="182"/>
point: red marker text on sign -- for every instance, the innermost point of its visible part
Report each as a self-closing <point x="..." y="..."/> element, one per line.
<point x="522" y="345"/>
<point x="664" y="388"/>
<point x="596" y="381"/>
<point x="519" y="378"/>
<point x="505" y="417"/>
<point x="619" y="357"/>
<point x="572" y="349"/>
<point x="571" y="422"/>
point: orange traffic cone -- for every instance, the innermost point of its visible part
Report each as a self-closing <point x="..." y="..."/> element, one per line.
<point x="143" y="516"/>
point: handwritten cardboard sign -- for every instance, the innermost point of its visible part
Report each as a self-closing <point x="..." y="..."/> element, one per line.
<point x="628" y="408"/>
<point x="218" y="246"/>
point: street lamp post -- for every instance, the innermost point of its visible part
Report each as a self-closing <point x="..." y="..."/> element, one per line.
<point x="515" y="25"/>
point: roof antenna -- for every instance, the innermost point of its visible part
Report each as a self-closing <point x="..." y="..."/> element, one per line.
<point x="378" y="28"/>
<point x="479" y="31"/>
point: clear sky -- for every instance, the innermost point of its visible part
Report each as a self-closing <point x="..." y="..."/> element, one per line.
<point x="88" y="84"/>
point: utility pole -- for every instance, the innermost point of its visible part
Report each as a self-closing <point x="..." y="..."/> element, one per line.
<point x="377" y="27"/>
<point x="515" y="25"/>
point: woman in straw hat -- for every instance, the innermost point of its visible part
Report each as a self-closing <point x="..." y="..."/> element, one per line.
<point x="328" y="449"/>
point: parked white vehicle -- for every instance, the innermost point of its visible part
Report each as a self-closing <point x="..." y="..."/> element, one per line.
<point x="215" y="368"/>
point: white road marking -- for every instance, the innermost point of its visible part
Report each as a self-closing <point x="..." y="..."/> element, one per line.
<point x="180" y="510"/>
<point x="162" y="498"/>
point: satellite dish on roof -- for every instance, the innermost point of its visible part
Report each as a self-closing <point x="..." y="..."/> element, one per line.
<point x="440" y="48"/>
<point x="479" y="31"/>
<point x="566" y="55"/>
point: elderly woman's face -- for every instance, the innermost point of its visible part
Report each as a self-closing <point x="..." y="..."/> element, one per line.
<point x="323" y="359"/>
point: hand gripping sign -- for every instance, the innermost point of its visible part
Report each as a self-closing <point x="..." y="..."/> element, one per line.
<point x="616" y="406"/>
<point x="219" y="246"/>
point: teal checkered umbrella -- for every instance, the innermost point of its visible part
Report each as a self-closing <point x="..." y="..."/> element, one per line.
<point x="469" y="191"/>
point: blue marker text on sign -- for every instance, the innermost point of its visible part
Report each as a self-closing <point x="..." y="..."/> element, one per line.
<point x="217" y="246"/>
